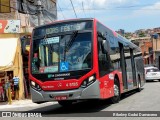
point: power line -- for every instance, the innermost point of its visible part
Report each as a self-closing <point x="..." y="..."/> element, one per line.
<point x="131" y="6"/>
<point x="103" y="9"/>
<point x="49" y="18"/>
<point x="88" y="1"/>
<point x="118" y="7"/>
<point x="73" y="9"/>
<point x="93" y="7"/>
<point x="83" y="9"/>
<point x="61" y="10"/>
<point x="89" y="9"/>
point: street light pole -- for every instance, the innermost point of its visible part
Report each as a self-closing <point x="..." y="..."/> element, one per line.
<point x="39" y="11"/>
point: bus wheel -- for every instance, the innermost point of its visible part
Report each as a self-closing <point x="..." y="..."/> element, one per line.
<point x="139" y="85"/>
<point x="116" y="97"/>
<point x="65" y="102"/>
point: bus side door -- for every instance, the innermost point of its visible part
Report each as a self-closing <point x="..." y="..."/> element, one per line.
<point x="123" y="66"/>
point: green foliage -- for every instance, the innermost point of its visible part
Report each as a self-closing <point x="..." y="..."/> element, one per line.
<point x="141" y="34"/>
<point x="128" y="35"/>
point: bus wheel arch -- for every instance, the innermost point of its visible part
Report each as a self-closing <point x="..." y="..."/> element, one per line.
<point x="117" y="94"/>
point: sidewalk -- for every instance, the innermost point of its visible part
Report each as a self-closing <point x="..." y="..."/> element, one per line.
<point x="17" y="103"/>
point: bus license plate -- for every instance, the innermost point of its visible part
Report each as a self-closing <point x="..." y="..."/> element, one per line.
<point x="60" y="97"/>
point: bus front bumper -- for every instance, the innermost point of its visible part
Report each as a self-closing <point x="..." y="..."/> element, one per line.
<point x="91" y="92"/>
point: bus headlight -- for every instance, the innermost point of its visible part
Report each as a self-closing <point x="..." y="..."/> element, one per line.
<point x="35" y="86"/>
<point x="88" y="81"/>
<point x="33" y="83"/>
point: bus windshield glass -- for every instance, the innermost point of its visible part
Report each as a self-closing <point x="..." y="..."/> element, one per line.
<point x="62" y="53"/>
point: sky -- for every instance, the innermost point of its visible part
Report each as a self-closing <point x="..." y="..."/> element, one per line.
<point x="129" y="15"/>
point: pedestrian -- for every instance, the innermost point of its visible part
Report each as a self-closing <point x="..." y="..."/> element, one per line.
<point x="6" y="86"/>
<point x="11" y="85"/>
<point x="16" y="87"/>
<point x="1" y="91"/>
<point x="4" y="90"/>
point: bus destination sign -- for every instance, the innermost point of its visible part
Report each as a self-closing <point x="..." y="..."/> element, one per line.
<point x="62" y="27"/>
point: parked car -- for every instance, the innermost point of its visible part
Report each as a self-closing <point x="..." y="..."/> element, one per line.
<point x="152" y="73"/>
<point x="149" y="65"/>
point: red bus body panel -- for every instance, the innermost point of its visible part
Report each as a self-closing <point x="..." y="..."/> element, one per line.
<point x="106" y="84"/>
<point x="54" y="85"/>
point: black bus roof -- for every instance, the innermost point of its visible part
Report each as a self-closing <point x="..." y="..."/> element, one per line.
<point x="65" y="21"/>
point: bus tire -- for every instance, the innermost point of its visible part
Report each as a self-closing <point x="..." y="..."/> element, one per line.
<point x="116" y="97"/>
<point x="65" y="102"/>
<point x="139" y="84"/>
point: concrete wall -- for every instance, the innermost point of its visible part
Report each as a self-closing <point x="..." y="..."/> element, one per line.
<point x="145" y="47"/>
<point x="156" y="44"/>
<point x="156" y="47"/>
<point x="157" y="59"/>
<point x="12" y="15"/>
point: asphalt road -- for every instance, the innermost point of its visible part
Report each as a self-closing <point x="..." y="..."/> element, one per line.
<point x="146" y="100"/>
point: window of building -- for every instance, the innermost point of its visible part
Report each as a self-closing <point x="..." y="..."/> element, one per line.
<point x="5" y="6"/>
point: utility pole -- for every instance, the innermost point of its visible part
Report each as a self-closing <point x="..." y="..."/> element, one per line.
<point x="39" y="11"/>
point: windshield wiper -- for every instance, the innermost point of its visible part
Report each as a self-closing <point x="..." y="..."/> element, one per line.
<point x="70" y="42"/>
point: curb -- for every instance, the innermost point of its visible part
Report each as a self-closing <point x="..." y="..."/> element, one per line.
<point x="17" y="103"/>
<point x="22" y="103"/>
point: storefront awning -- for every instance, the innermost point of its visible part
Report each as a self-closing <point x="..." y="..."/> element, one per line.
<point x="7" y="51"/>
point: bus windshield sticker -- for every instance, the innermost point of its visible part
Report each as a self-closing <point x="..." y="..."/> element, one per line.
<point x="48" y="69"/>
<point x="41" y="69"/>
<point x="51" y="75"/>
<point x="50" y="40"/>
<point x="63" y="66"/>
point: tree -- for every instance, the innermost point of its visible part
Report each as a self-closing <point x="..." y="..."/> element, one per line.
<point x="141" y="34"/>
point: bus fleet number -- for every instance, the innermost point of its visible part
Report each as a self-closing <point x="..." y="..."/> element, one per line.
<point x="74" y="84"/>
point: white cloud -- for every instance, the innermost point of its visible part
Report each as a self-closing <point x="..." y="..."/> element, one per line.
<point x="102" y="3"/>
<point x="148" y="10"/>
<point x="98" y="3"/>
<point x="92" y="8"/>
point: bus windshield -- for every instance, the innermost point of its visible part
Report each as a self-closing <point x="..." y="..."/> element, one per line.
<point x="62" y="53"/>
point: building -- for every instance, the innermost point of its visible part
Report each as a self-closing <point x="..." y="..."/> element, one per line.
<point x="121" y="32"/>
<point x="17" y="19"/>
<point x="145" y="43"/>
<point x="156" y="48"/>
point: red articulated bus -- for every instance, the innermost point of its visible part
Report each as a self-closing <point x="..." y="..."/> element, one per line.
<point x="82" y="59"/>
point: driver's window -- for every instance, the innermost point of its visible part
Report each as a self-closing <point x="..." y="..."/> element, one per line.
<point x="104" y="62"/>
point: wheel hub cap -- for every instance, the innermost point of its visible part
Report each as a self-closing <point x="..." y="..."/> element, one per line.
<point x="116" y="90"/>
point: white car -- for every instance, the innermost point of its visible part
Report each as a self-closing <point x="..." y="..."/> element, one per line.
<point x="152" y="73"/>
